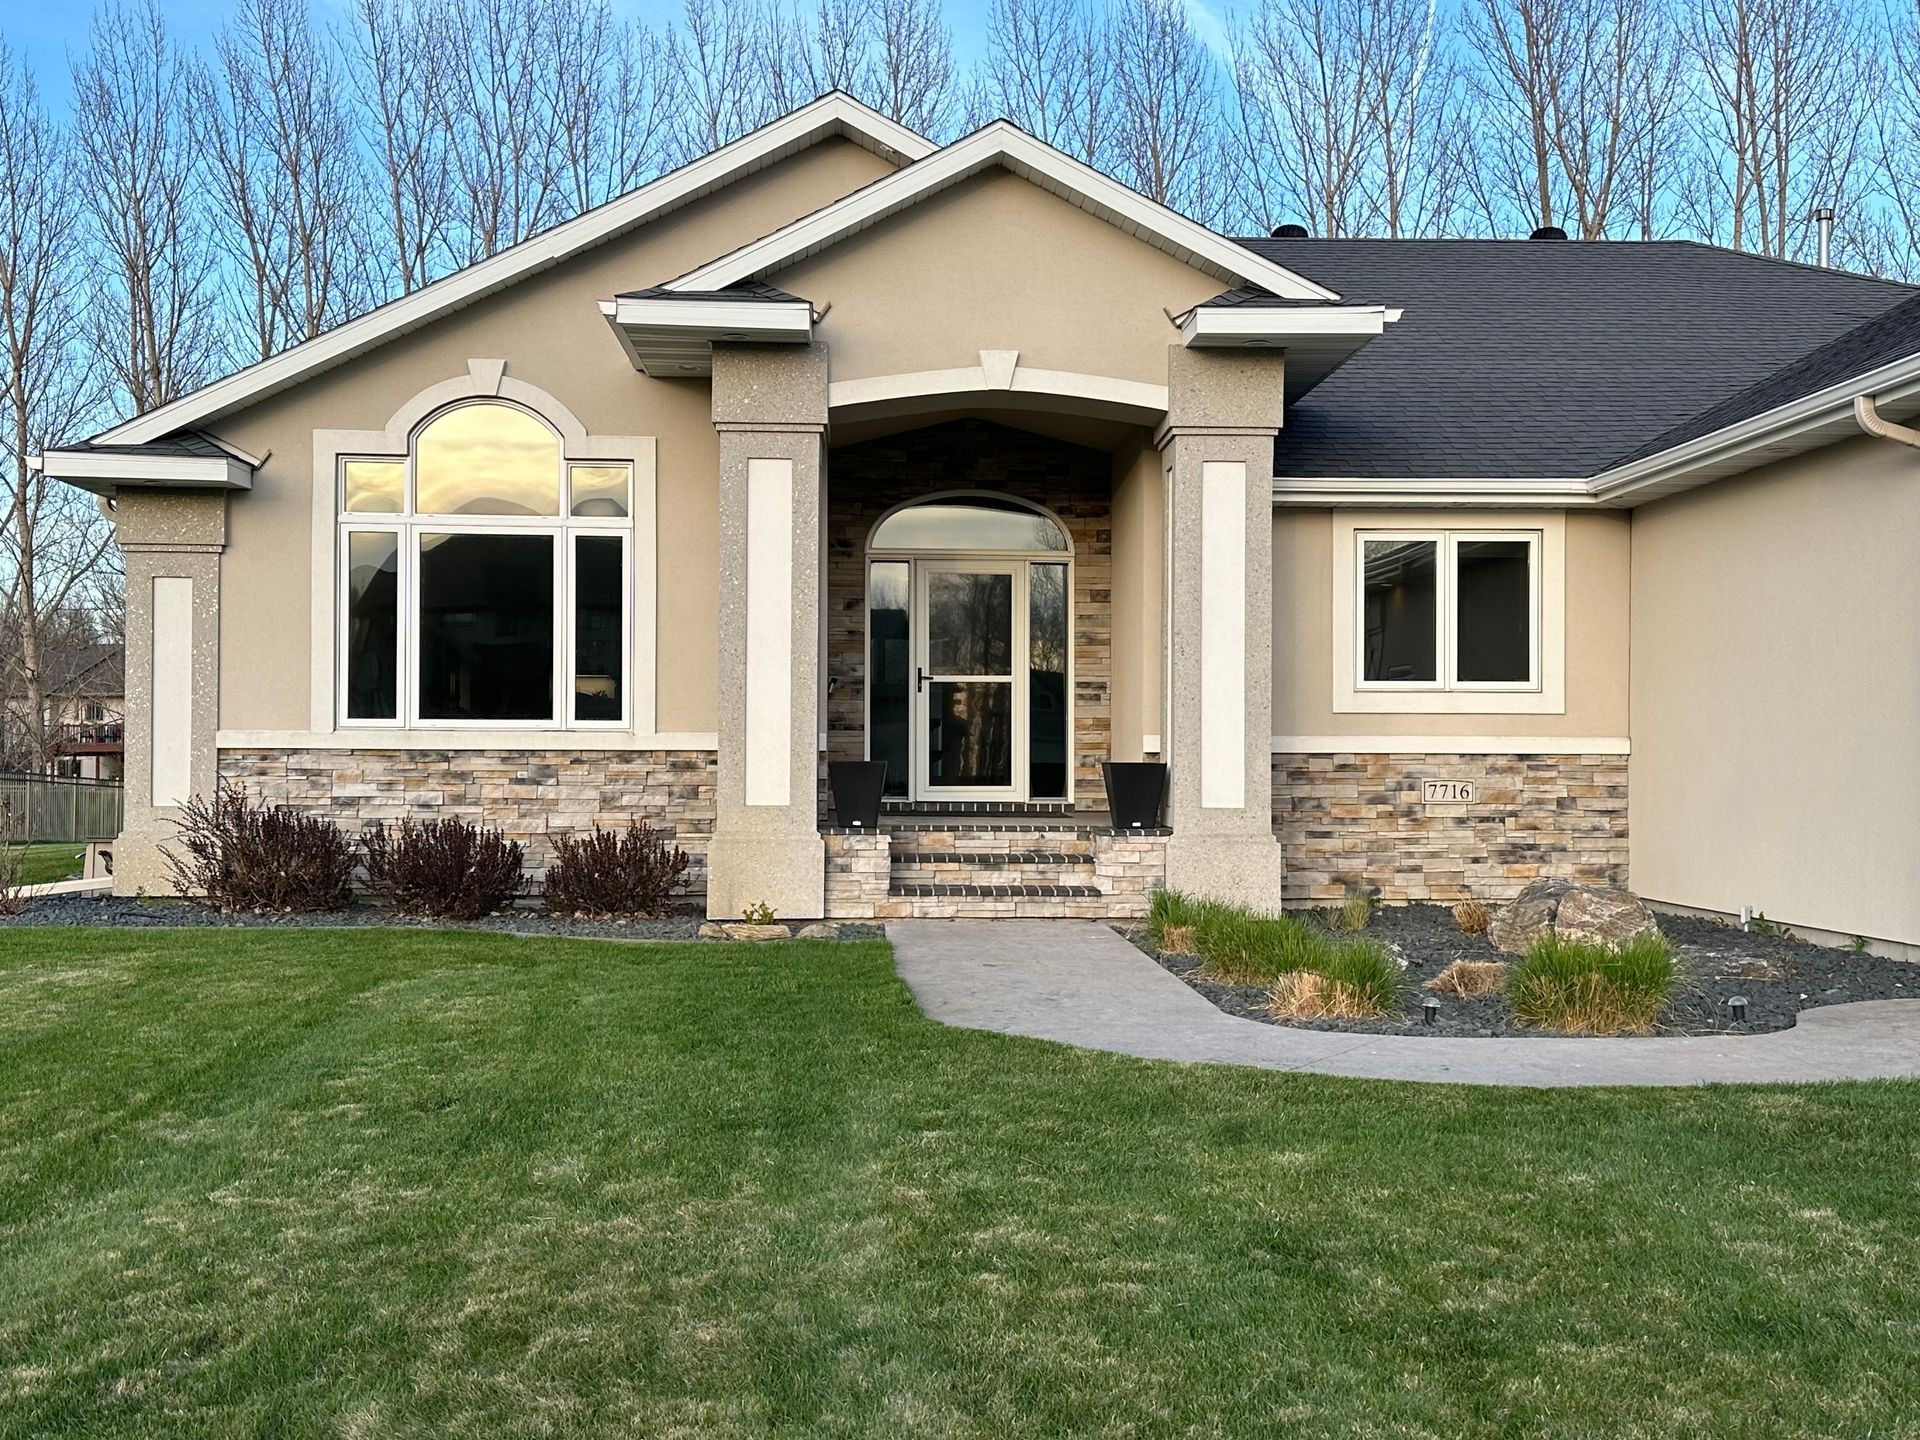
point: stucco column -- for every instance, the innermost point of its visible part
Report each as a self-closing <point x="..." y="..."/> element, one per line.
<point x="770" y="408"/>
<point x="172" y="542"/>
<point x="1223" y="413"/>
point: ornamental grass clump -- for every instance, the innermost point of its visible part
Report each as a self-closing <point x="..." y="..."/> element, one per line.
<point x="1355" y="980"/>
<point x="1242" y="947"/>
<point x="1587" y="987"/>
<point x="235" y="855"/>
<point x="444" y="869"/>
<point x="1354" y="912"/>
<point x="1470" y="979"/>
<point x="613" y="873"/>
<point x="1473" y="916"/>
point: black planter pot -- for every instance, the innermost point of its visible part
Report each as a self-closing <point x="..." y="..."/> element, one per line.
<point x="857" y="786"/>
<point x="1136" y="792"/>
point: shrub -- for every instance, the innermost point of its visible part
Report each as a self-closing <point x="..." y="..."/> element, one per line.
<point x="1473" y="916"/>
<point x="444" y="869"/>
<point x="1357" y="980"/>
<point x="237" y="855"/>
<point x="1470" y="978"/>
<point x="610" y="872"/>
<point x="1586" y="987"/>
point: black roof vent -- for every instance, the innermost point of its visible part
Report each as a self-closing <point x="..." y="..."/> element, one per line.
<point x="1548" y="232"/>
<point x="1292" y="232"/>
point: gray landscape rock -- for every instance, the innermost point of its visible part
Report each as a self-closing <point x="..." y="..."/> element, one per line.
<point x="739" y="930"/>
<point x="1569" y="908"/>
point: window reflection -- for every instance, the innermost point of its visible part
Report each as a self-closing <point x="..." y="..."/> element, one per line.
<point x="967" y="523"/>
<point x="1401" y="598"/>
<point x="374" y="487"/>
<point x="487" y="460"/>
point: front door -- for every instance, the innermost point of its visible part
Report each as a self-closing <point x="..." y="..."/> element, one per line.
<point x="970" y="673"/>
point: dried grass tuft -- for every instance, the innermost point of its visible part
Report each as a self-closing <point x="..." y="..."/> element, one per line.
<point x="1178" y="940"/>
<point x="1473" y="916"/>
<point x="1470" y="978"/>
<point x="1309" y="995"/>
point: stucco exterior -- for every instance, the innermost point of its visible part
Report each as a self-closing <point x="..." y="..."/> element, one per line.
<point x="1775" y="693"/>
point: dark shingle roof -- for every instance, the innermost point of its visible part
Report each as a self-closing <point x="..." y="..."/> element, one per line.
<point x="745" y="290"/>
<point x="1893" y="335"/>
<point x="181" y="442"/>
<point x="1544" y="359"/>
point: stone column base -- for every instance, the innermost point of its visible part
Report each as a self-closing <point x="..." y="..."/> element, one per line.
<point x="786" y="873"/>
<point x="139" y="867"/>
<point x="1234" y="869"/>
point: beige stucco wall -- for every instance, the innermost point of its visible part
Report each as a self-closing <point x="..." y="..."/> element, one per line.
<point x="1139" y="545"/>
<point x="997" y="263"/>
<point x="550" y="331"/>
<point x="1598" y="566"/>
<point x="1776" y="693"/>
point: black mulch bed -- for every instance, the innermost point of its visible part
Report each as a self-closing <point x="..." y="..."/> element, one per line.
<point x="150" y="914"/>
<point x="1779" y="978"/>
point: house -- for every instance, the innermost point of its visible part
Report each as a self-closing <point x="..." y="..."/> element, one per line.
<point x="80" y="732"/>
<point x="1432" y="566"/>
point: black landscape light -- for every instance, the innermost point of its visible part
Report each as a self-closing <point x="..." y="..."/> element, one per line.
<point x="1429" y="1010"/>
<point x="1738" y="1005"/>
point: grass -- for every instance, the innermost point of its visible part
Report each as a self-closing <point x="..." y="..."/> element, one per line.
<point x="43" y="864"/>
<point x="402" y="1184"/>
<point x="1241" y="947"/>
<point x="1585" y="987"/>
<point x="1469" y="979"/>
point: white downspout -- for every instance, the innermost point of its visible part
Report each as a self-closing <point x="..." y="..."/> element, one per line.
<point x="1878" y="426"/>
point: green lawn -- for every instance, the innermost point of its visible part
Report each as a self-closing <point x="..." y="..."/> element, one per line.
<point x="40" y="864"/>
<point x="420" y="1185"/>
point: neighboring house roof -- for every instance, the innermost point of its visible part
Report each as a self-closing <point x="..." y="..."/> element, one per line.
<point x="1552" y="359"/>
<point x="91" y="671"/>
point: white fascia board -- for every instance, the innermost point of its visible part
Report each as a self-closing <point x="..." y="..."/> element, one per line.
<point x="1681" y="467"/>
<point x="749" y="319"/>
<point x="836" y="113"/>
<point x="1279" y="325"/>
<point x="1002" y="143"/>
<point x="104" y="469"/>
<point x="1401" y="493"/>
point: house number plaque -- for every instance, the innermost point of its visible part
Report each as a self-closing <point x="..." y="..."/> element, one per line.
<point x="1447" y="792"/>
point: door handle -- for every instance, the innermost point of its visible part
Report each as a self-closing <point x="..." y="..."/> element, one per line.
<point x="919" y="680"/>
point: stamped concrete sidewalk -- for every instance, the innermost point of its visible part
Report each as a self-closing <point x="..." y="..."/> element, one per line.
<point x="1081" y="984"/>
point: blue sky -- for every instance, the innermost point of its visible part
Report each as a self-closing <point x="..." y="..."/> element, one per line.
<point x="51" y="30"/>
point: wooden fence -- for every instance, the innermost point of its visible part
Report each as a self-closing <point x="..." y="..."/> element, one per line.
<point x="35" y="807"/>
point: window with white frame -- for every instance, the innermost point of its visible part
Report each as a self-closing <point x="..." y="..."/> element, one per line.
<point x="486" y="579"/>
<point x="1447" y="610"/>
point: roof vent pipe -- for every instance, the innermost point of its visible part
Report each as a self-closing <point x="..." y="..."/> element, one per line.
<point x="1823" y="225"/>
<point x="1548" y="232"/>
<point x="1292" y="232"/>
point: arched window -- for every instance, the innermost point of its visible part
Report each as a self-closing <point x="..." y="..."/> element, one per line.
<point x="968" y="522"/>
<point x="485" y="578"/>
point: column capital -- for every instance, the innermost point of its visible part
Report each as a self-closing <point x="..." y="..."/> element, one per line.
<point x="769" y="387"/>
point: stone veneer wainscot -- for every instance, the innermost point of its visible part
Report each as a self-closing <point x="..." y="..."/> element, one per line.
<point x="1348" y="821"/>
<point x="529" y="795"/>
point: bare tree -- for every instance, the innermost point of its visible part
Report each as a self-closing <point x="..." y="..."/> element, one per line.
<point x="1341" y="116"/>
<point x="1047" y="69"/>
<point x="1784" y="116"/>
<point x="1578" y="103"/>
<point x="398" y="61"/>
<point x="719" y="55"/>
<point x="612" y="92"/>
<point x="1167" y="141"/>
<point x="53" y="542"/>
<point x="275" y="135"/>
<point x="158" y="334"/>
<point x="913" y="79"/>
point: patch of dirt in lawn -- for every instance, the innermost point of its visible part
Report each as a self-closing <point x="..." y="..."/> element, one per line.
<point x="1779" y="978"/>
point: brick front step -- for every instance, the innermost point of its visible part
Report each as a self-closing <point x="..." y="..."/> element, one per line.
<point x="998" y="892"/>
<point x="990" y="857"/>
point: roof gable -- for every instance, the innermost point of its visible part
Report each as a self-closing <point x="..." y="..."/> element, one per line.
<point x="833" y="114"/>
<point x="1004" y="145"/>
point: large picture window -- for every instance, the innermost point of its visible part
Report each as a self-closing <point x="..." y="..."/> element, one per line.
<point x="1448" y="610"/>
<point x="486" y="580"/>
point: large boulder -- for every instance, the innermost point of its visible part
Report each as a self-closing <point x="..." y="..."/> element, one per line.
<point x="1566" y="907"/>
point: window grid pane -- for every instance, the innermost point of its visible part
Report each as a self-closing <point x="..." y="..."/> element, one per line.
<point x="486" y="627"/>
<point x="1399" y="611"/>
<point x="373" y="624"/>
<point x="599" y="637"/>
<point x="1493" y="608"/>
<point x="486" y="460"/>
<point x="599" y="492"/>
<point x="373" y="487"/>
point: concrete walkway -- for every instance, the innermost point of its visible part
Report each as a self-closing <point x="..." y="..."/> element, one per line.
<point x="1081" y="984"/>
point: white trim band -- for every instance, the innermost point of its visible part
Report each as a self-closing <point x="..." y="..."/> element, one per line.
<point x="528" y="740"/>
<point x="1451" y="745"/>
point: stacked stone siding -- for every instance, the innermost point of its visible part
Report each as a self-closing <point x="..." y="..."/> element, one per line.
<point x="866" y="480"/>
<point x="530" y="795"/>
<point x="859" y="873"/>
<point x="1348" y="821"/>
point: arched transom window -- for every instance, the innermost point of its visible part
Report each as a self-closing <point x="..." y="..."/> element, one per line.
<point x="486" y="578"/>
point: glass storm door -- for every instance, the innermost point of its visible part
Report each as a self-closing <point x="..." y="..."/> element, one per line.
<point x="970" y="644"/>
